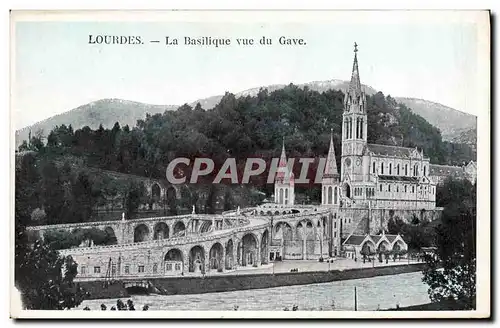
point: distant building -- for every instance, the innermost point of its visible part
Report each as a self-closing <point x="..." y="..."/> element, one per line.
<point x="441" y="172"/>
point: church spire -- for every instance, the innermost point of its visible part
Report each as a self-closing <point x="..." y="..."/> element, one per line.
<point x="355" y="84"/>
<point x="282" y="162"/>
<point x="331" y="162"/>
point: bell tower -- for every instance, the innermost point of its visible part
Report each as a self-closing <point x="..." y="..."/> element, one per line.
<point x="354" y="126"/>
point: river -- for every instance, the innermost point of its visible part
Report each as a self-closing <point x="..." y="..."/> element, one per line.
<point x="372" y="293"/>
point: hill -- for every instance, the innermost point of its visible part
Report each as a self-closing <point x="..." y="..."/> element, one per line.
<point x="104" y="111"/>
<point x="451" y="122"/>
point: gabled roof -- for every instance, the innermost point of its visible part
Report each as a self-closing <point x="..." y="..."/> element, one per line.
<point x="391" y="238"/>
<point x="331" y="162"/>
<point x="393" y="151"/>
<point x="355" y="240"/>
<point x="376" y="238"/>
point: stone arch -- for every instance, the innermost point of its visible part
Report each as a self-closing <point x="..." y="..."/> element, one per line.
<point x="156" y="192"/>
<point x="197" y="259"/>
<point x="283" y="230"/>
<point x="249" y="244"/>
<point x="367" y="248"/>
<point x="264" y="247"/>
<point x="205" y="226"/>
<point x="398" y="245"/>
<point x="269" y="213"/>
<point x="383" y="246"/>
<point x="179" y="229"/>
<point x="229" y="254"/>
<point x="173" y="261"/>
<point x="161" y="231"/>
<point x="215" y="257"/>
<point x="141" y="233"/>
<point x="346" y="190"/>
<point x="277" y="213"/>
<point x="110" y="236"/>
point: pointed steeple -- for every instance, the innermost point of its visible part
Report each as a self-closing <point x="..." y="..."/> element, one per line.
<point x="331" y="162"/>
<point x="282" y="162"/>
<point x="355" y="84"/>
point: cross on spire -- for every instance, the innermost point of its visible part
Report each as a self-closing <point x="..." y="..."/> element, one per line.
<point x="355" y="47"/>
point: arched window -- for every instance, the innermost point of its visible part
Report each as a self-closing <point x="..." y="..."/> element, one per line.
<point x="329" y="194"/>
<point x="390" y="168"/>
<point x="373" y="169"/>
<point x="405" y="188"/>
<point x="380" y="187"/>
<point x="361" y="128"/>
<point x="406" y="169"/>
<point x="335" y="196"/>
<point x="412" y="189"/>
<point x="416" y="170"/>
<point x="381" y="168"/>
<point x="397" y="169"/>
<point x="425" y="171"/>
<point x="281" y="196"/>
<point x="388" y="187"/>
<point x="286" y="193"/>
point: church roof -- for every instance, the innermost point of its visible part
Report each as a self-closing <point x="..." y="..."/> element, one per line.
<point x="355" y="240"/>
<point x="331" y="162"/>
<point x="447" y="170"/>
<point x="393" y="151"/>
<point x="397" y="178"/>
<point x="391" y="237"/>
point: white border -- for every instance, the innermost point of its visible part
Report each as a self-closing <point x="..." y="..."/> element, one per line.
<point x="483" y="198"/>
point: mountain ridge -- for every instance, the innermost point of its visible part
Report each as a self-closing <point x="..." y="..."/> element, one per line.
<point x="455" y="125"/>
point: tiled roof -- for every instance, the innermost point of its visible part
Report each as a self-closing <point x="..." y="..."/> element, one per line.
<point x="376" y="238"/>
<point x="355" y="240"/>
<point x="393" y="151"/>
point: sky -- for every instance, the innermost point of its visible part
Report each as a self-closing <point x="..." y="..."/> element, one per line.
<point x="56" y="69"/>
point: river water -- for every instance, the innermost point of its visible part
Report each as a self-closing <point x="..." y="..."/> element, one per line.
<point x="372" y="293"/>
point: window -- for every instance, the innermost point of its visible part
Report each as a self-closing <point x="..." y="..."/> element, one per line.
<point x="381" y="168"/>
<point x="140" y="268"/>
<point x="388" y="187"/>
<point x="335" y="234"/>
<point x="84" y="270"/>
<point x="397" y="188"/>
<point x="405" y="189"/>
<point x="177" y="266"/>
<point x="169" y="266"/>
<point x="349" y="220"/>
<point x="380" y="187"/>
<point x="412" y="188"/>
<point x="127" y="269"/>
<point x="113" y="270"/>
<point x="406" y="169"/>
<point x="155" y="268"/>
<point x="397" y="169"/>
<point x="97" y="269"/>
<point x="390" y="168"/>
<point x="373" y="167"/>
<point x="416" y="170"/>
<point x="425" y="170"/>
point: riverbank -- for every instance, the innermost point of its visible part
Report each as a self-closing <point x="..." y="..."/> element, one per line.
<point x="225" y="283"/>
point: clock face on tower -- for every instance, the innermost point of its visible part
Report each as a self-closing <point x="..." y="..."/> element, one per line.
<point x="358" y="162"/>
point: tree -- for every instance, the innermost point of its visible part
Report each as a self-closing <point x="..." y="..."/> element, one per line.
<point x="134" y="197"/>
<point x="451" y="275"/>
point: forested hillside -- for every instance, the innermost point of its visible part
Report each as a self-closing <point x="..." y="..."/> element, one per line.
<point x="251" y="126"/>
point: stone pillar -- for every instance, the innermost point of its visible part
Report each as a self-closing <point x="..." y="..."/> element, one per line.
<point x="207" y="262"/>
<point x="240" y="262"/>
<point x="258" y="259"/>
<point x="185" y="262"/>
<point x="235" y="254"/>
<point x="223" y="259"/>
